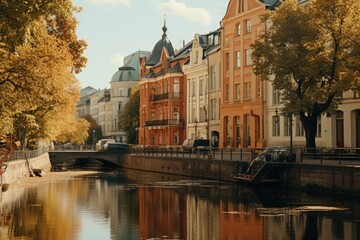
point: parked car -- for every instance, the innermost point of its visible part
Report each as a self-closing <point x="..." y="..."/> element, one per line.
<point x="117" y="147"/>
<point x="195" y="145"/>
<point x="67" y="146"/>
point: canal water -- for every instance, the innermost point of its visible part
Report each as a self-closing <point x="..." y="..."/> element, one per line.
<point x="133" y="205"/>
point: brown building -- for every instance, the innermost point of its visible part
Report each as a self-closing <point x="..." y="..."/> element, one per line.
<point x="242" y="109"/>
<point x="162" y="96"/>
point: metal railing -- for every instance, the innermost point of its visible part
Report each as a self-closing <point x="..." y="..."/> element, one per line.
<point x="26" y="154"/>
<point x="165" y="96"/>
<point x="230" y="154"/>
<point x="165" y="122"/>
<point x="328" y="156"/>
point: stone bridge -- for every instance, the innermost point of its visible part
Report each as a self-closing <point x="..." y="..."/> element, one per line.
<point x="108" y="158"/>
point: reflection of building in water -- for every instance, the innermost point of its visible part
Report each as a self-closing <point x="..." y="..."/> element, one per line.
<point x="309" y="226"/>
<point x="161" y="213"/>
<point x="240" y="221"/>
<point x="203" y="219"/>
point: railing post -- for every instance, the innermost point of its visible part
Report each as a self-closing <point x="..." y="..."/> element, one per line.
<point x="321" y="156"/>
<point x="222" y="153"/>
<point x="231" y="154"/>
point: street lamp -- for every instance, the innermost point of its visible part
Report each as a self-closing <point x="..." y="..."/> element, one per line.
<point x="291" y="132"/>
<point x="93" y="139"/>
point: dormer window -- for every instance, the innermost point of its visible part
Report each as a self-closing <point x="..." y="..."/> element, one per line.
<point x="196" y="60"/>
<point x="210" y="40"/>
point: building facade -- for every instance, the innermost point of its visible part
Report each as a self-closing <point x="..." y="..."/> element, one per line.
<point x="203" y="87"/>
<point x="242" y="110"/>
<point x="122" y="82"/>
<point x="162" y="96"/>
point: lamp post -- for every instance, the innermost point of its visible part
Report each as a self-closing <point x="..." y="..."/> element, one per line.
<point x="291" y="132"/>
<point x="144" y="135"/>
<point x="93" y="145"/>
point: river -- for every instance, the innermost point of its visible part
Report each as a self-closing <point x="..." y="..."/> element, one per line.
<point x="131" y="205"/>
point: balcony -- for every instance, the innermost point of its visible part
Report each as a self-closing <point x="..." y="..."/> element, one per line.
<point x="164" y="96"/>
<point x="165" y="122"/>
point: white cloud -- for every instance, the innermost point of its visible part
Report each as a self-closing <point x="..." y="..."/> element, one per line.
<point x="118" y="60"/>
<point x="175" y="8"/>
<point x="126" y="3"/>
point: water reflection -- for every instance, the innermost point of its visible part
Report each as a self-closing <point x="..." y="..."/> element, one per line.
<point x="137" y="205"/>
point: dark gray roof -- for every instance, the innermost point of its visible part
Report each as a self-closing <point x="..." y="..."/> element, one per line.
<point x="164" y="42"/>
<point x="176" y="69"/>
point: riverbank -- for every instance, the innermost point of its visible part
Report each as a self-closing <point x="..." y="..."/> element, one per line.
<point x="32" y="182"/>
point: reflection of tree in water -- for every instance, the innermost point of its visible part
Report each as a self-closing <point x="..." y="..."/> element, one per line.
<point x="311" y="227"/>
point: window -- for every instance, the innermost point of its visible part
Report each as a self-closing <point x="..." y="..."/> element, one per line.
<point x="237" y="91"/>
<point x="238" y="29"/>
<point x="227" y="93"/>
<point x="216" y="39"/>
<point x="238" y="59"/>
<point x="356" y="94"/>
<point x="276" y="95"/>
<point x="176" y="88"/>
<point x="213" y="109"/>
<point x="213" y="84"/>
<point x="201" y="90"/>
<point x="318" y="128"/>
<point x="120" y="107"/>
<point x="248" y="57"/>
<point x="241" y="6"/>
<point x="227" y="62"/>
<point x="176" y="138"/>
<point x="196" y="60"/>
<point x="299" y="127"/>
<point x="287" y="126"/>
<point x="248" y="26"/>
<point x="275" y="125"/>
<point x="247" y="90"/>
<point x="258" y="87"/>
<point x="210" y="39"/>
<point x="121" y="92"/>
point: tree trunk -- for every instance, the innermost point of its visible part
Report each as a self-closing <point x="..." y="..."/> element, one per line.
<point x="310" y="126"/>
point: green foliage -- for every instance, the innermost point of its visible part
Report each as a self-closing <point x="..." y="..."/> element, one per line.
<point x="94" y="131"/>
<point x="129" y="118"/>
<point x="311" y="53"/>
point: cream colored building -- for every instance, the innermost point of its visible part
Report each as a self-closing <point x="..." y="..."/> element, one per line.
<point x="202" y="102"/>
<point x="105" y="106"/>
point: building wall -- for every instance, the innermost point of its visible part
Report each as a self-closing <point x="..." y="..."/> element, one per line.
<point x="214" y="97"/>
<point x="242" y="110"/>
<point x="162" y="120"/>
<point x="196" y="72"/>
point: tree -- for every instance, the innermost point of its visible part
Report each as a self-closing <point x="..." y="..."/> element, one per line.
<point x="311" y="53"/>
<point x="94" y="131"/>
<point x="40" y="54"/>
<point x="129" y="118"/>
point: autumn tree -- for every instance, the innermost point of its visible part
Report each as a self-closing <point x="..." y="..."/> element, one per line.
<point x="310" y="52"/>
<point x="129" y="118"/>
<point x="40" y="54"/>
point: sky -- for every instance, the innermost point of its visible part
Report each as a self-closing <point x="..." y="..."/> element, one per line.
<point x="114" y="29"/>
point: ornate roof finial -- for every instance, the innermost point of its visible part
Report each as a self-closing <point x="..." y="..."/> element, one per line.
<point x="164" y="28"/>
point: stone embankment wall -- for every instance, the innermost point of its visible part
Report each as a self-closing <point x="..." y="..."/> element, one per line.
<point x="338" y="179"/>
<point x="19" y="169"/>
<point x="199" y="168"/>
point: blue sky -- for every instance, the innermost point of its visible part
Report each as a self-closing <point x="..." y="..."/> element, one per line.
<point x="116" y="28"/>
